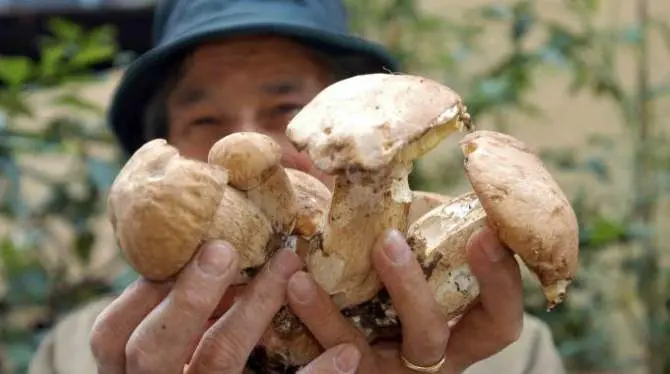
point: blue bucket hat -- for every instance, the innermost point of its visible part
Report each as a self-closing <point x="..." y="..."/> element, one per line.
<point x="179" y="25"/>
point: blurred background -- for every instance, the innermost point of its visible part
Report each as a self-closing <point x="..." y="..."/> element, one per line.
<point x="585" y="81"/>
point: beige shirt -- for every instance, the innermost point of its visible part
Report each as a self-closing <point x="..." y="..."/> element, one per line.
<point x="66" y="350"/>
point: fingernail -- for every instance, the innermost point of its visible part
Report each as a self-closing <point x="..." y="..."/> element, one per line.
<point x="396" y="248"/>
<point x="215" y="258"/>
<point x="347" y="359"/>
<point x="491" y="246"/>
<point x="284" y="263"/>
<point x="302" y="288"/>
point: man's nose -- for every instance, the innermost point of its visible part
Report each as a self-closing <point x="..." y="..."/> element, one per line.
<point x="247" y="121"/>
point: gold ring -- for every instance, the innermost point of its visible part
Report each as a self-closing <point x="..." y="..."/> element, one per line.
<point x="435" y="368"/>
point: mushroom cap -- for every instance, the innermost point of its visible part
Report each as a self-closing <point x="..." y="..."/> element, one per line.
<point x="249" y="157"/>
<point x="367" y="121"/>
<point x="525" y="205"/>
<point x="160" y="206"/>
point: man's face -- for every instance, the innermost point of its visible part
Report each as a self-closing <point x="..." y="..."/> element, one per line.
<point x="244" y="84"/>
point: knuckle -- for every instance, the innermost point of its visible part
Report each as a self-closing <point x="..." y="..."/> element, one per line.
<point x="436" y="337"/>
<point x="101" y="341"/>
<point x="432" y="338"/>
<point x="265" y="296"/>
<point x="222" y="353"/>
<point x="191" y="301"/>
<point x="140" y="359"/>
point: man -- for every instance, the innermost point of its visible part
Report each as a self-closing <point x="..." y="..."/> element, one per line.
<point x="223" y="66"/>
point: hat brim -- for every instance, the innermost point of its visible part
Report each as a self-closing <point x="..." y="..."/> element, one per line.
<point x="352" y="54"/>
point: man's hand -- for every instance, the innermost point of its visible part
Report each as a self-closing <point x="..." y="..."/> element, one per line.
<point x="157" y="328"/>
<point x="491" y="325"/>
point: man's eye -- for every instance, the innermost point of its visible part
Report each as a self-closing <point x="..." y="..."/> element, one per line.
<point x="289" y="109"/>
<point x="203" y="121"/>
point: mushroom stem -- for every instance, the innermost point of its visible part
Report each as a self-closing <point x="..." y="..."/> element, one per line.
<point x="555" y="292"/>
<point x="246" y="228"/>
<point x="364" y="204"/>
<point x="276" y="198"/>
<point x="253" y="161"/>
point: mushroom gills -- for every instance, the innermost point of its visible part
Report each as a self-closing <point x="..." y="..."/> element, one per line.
<point x="454" y="119"/>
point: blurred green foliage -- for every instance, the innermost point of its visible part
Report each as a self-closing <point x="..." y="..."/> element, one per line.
<point x="36" y="291"/>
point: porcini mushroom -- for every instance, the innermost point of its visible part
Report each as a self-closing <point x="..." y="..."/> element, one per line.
<point x="513" y="194"/>
<point x="526" y="208"/>
<point x="253" y="163"/>
<point x="162" y="206"/>
<point x="367" y="131"/>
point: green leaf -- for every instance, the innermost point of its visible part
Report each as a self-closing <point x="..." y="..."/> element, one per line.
<point x="64" y="29"/>
<point x="93" y="54"/>
<point x="84" y="244"/>
<point x="592" y="5"/>
<point x="10" y="258"/>
<point x="604" y="231"/>
<point x="51" y="59"/>
<point x="13" y="104"/>
<point x="15" y="71"/>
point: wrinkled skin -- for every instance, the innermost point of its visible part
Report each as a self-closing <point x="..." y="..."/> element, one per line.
<point x="200" y="324"/>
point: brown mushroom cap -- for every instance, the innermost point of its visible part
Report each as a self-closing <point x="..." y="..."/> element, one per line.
<point x="367" y="121"/>
<point x="160" y="206"/>
<point x="526" y="207"/>
<point x="249" y="157"/>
